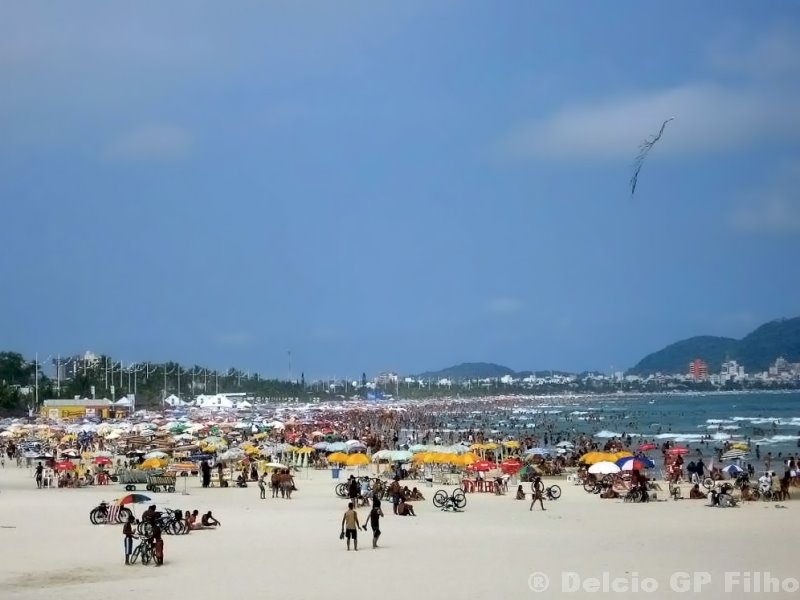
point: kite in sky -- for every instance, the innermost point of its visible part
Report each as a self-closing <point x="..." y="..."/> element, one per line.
<point x="644" y="150"/>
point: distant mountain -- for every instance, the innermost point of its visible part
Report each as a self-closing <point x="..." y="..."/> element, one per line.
<point x="756" y="351"/>
<point x="478" y="370"/>
<point x="482" y="370"/>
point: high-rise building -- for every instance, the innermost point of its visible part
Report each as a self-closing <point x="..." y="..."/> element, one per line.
<point x="698" y="369"/>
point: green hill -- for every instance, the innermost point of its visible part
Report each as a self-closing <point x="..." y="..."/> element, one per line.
<point x="478" y="370"/>
<point x="756" y="351"/>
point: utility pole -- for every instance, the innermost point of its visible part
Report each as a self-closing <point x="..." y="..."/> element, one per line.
<point x="36" y="384"/>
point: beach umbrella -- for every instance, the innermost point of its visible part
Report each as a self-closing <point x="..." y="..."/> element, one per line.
<point x="64" y="465"/>
<point x="732" y="470"/>
<point x="382" y="455"/>
<point x="510" y="466"/>
<point x="678" y="450"/>
<point x="102" y="460"/>
<point x="400" y="455"/>
<point x="337" y="457"/>
<point x="357" y="460"/>
<point x="133" y="499"/>
<point x="622" y="454"/>
<point x="337" y="447"/>
<point x="321" y="446"/>
<point x="232" y="455"/>
<point x="604" y="468"/>
<point x="482" y="465"/>
<point x="102" y="453"/>
<point x="418" y="448"/>
<point x="646" y="447"/>
<point x="274" y="465"/>
<point x="733" y="454"/>
<point x="511" y="444"/>
<point x="565" y="444"/>
<point x="153" y="463"/>
<point x="740" y="446"/>
<point x="635" y="464"/>
<point x="155" y="454"/>
<point x="591" y="458"/>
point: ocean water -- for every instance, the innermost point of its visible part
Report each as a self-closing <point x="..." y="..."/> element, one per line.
<point x="769" y="420"/>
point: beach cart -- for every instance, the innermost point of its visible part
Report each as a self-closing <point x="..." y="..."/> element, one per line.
<point x="130" y="478"/>
<point x="159" y="481"/>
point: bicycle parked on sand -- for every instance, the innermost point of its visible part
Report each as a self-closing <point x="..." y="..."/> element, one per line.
<point x="455" y="501"/>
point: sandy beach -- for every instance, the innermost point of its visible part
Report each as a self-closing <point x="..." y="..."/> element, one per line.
<point x="496" y="548"/>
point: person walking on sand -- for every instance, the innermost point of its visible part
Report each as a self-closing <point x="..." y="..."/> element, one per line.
<point x="374" y="521"/>
<point x="262" y="486"/>
<point x="127" y="542"/>
<point x="38" y="475"/>
<point x="350" y="526"/>
<point x="538" y="487"/>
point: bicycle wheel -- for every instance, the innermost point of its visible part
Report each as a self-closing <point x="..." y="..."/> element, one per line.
<point x="147" y="555"/>
<point x="123" y="515"/>
<point x="708" y="483"/>
<point x="589" y="485"/>
<point x="97" y="516"/>
<point x="459" y="498"/>
<point x="341" y="490"/>
<point x="440" y="499"/>
<point x="135" y="554"/>
<point x="554" y="492"/>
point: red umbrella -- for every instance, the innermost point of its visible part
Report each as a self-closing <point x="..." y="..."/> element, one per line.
<point x="510" y="466"/>
<point x="64" y="465"/>
<point x="482" y="465"/>
<point x="102" y="460"/>
<point x="678" y="450"/>
<point x="646" y="447"/>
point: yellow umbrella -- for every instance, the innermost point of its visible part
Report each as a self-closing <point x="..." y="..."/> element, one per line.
<point x="358" y="459"/>
<point x="740" y="446"/>
<point x="511" y="444"/>
<point x="622" y="454"/>
<point x="337" y="457"/>
<point x="468" y="458"/>
<point x="305" y="450"/>
<point x="153" y="463"/>
<point x="477" y="447"/>
<point x="591" y="458"/>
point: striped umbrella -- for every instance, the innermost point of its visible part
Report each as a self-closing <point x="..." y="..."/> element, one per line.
<point x="733" y="454"/>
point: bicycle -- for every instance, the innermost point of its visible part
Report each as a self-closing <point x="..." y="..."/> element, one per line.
<point x="144" y="550"/>
<point x="552" y="492"/>
<point x="99" y="514"/>
<point x="455" y="501"/>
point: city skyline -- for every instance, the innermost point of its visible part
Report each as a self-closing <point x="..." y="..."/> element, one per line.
<point x="400" y="186"/>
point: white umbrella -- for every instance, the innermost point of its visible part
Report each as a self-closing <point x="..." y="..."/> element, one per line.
<point x="155" y="454"/>
<point x="274" y="465"/>
<point x="603" y="468"/>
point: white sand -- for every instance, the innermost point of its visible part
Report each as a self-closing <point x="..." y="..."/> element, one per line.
<point x="291" y="549"/>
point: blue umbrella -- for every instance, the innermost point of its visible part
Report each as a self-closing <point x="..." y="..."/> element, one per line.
<point x="630" y="463"/>
<point x="337" y="447"/>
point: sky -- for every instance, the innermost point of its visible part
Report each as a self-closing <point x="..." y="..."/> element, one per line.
<point x="401" y="186"/>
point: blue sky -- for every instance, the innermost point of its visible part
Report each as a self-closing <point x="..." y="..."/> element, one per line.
<point x="404" y="186"/>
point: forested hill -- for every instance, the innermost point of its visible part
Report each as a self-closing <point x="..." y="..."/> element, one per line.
<point x="756" y="351"/>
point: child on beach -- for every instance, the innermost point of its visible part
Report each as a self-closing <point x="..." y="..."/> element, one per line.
<point x="127" y="542"/>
